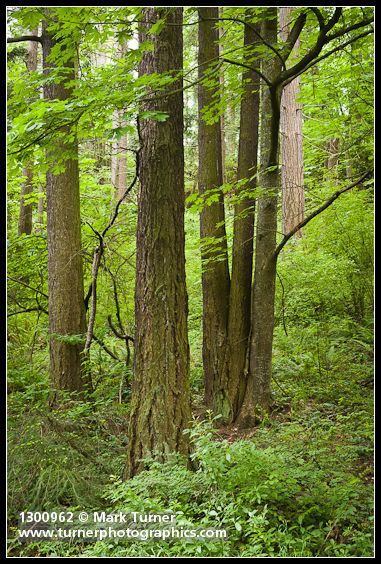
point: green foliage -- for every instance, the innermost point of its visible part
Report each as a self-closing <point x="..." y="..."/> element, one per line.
<point x="330" y="269"/>
<point x="341" y="109"/>
<point x="300" y="485"/>
<point x="60" y="458"/>
<point x="292" y="489"/>
<point x="277" y="494"/>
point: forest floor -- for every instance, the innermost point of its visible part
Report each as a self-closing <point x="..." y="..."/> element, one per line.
<point x="301" y="483"/>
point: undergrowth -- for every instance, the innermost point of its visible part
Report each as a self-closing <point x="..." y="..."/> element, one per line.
<point x="299" y="485"/>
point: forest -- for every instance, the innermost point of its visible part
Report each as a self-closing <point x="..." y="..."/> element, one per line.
<point x="190" y="273"/>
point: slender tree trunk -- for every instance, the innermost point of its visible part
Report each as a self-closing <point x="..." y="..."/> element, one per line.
<point x="119" y="160"/>
<point x="65" y="276"/>
<point x="25" y="225"/>
<point x="257" y="395"/>
<point x="242" y="252"/>
<point x="332" y="162"/>
<point x="119" y="148"/>
<point x="215" y="275"/>
<point x="40" y="207"/>
<point x="160" y="405"/>
<point x="26" y="209"/>
<point x="291" y="123"/>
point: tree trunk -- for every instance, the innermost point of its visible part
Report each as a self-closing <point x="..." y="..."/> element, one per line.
<point x="257" y="395"/>
<point x="291" y="123"/>
<point x="25" y="225"/>
<point x="222" y="116"/>
<point x="65" y="276"/>
<point x="242" y="252"/>
<point x="215" y="275"/>
<point x="40" y="207"/>
<point x="119" y="148"/>
<point x="26" y="209"/>
<point x="119" y="160"/>
<point x="332" y="162"/>
<point x="160" y="405"/>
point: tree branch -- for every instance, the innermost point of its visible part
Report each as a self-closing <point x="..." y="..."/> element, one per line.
<point x="333" y="21"/>
<point x="318" y="15"/>
<point x="248" y="67"/>
<point x="94" y="274"/>
<point x="49" y="128"/>
<point x="334" y="50"/>
<point x="24" y="38"/>
<point x="107" y="350"/>
<point x="311" y="58"/>
<point x="114" y="330"/>
<point x="123" y="337"/>
<point x="323" y="207"/>
<point x="27" y="286"/>
<point x="98" y="252"/>
<point x="28" y="310"/>
<point x="293" y="35"/>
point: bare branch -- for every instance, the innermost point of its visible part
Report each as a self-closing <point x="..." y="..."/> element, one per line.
<point x="114" y="330"/>
<point x="27" y="286"/>
<point x="323" y="207"/>
<point x="24" y="38"/>
<point x="248" y="67"/>
<point x="98" y="252"/>
<point x="28" y="310"/>
<point x="94" y="275"/>
<point x="107" y="350"/>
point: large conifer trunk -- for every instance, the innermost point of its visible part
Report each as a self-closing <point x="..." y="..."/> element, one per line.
<point x="160" y="407"/>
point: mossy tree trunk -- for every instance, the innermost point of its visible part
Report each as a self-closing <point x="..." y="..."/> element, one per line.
<point x="65" y="274"/>
<point x="25" y="224"/>
<point x="160" y="405"/>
